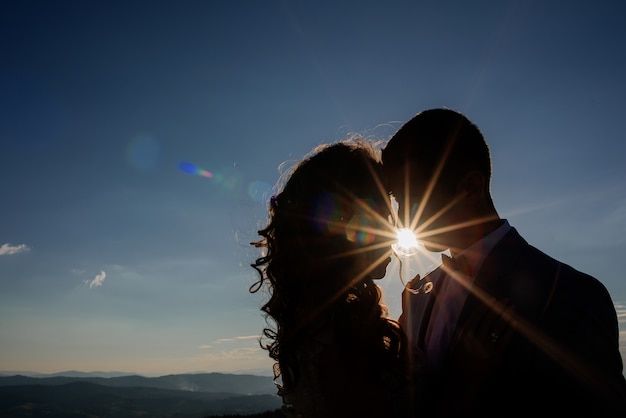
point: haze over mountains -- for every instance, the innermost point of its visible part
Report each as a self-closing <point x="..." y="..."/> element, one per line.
<point x="68" y="373"/>
<point x="99" y="394"/>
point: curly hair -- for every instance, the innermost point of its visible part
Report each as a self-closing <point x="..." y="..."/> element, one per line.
<point x="308" y="268"/>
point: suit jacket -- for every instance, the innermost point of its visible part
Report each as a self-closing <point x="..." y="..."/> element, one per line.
<point x="562" y="355"/>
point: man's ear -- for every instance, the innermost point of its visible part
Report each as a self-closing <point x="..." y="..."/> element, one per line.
<point x="473" y="186"/>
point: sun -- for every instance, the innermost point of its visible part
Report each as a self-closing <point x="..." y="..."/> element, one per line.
<point x="406" y="243"/>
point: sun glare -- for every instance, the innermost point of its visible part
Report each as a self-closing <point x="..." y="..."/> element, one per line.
<point x="406" y="244"/>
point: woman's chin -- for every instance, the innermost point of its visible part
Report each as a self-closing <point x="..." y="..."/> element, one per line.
<point x="380" y="270"/>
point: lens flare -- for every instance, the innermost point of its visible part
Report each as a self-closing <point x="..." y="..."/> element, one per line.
<point x="260" y="191"/>
<point x="359" y="229"/>
<point x="143" y="153"/>
<point x="406" y="243"/>
<point x="230" y="180"/>
<point x="327" y="215"/>
<point x="191" y="168"/>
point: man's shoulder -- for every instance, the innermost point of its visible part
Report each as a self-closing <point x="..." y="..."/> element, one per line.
<point x="526" y="256"/>
<point x="514" y="253"/>
<point x="532" y="264"/>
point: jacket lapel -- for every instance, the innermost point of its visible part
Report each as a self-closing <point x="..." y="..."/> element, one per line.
<point x="417" y="307"/>
<point x="488" y="280"/>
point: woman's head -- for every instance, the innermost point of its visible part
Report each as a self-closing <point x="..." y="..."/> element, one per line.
<point x="327" y="238"/>
<point x="332" y="209"/>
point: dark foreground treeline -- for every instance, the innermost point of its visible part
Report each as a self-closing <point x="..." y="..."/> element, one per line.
<point x="269" y="414"/>
<point x="35" y="397"/>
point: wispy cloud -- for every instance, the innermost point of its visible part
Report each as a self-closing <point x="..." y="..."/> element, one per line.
<point x="239" y="352"/>
<point x="8" y="249"/>
<point x="238" y="356"/>
<point x="620" y="309"/>
<point x="96" y="281"/>
<point x="228" y="340"/>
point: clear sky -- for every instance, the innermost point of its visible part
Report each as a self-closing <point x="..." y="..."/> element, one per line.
<point x="139" y="141"/>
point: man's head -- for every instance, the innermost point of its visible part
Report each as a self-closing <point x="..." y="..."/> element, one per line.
<point x="439" y="169"/>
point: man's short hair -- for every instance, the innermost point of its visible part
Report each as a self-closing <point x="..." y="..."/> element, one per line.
<point x="423" y="142"/>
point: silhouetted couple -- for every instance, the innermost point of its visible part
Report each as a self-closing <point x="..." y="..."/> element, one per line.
<point x="512" y="332"/>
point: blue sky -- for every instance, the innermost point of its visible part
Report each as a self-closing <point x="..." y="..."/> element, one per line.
<point x="115" y="257"/>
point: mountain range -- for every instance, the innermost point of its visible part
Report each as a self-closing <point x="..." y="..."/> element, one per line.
<point x="180" y="395"/>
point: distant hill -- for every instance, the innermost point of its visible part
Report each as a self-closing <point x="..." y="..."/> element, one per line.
<point x="180" y="396"/>
<point x="69" y="373"/>
<point x="201" y="382"/>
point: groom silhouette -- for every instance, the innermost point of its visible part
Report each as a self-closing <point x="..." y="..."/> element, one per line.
<point x="521" y="333"/>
